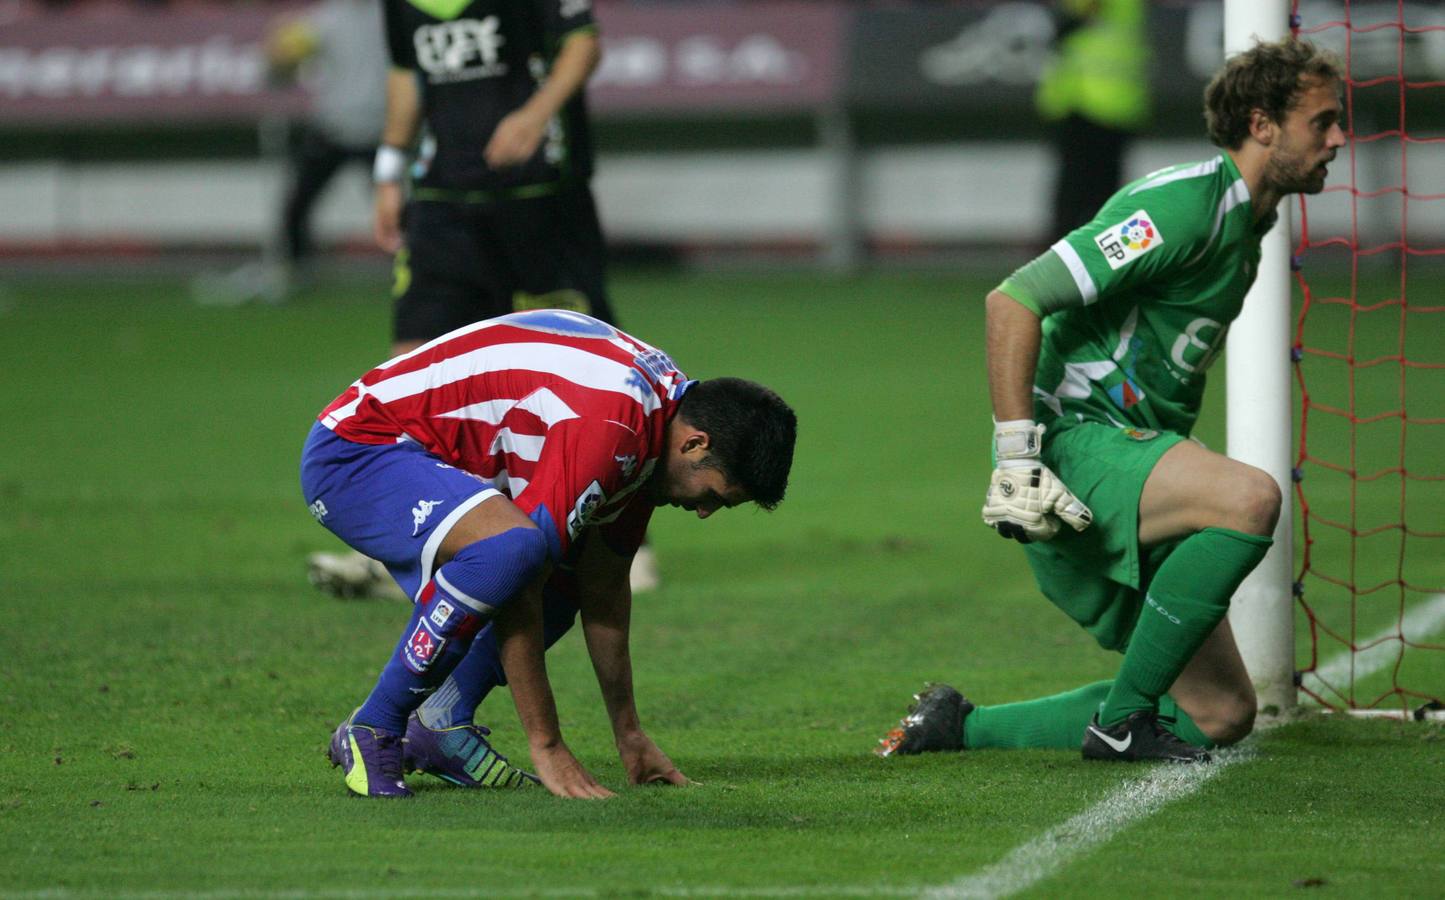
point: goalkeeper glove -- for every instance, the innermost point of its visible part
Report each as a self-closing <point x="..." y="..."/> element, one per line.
<point x="1026" y="500"/>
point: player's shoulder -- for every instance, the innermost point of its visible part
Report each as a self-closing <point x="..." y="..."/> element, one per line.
<point x="1183" y="198"/>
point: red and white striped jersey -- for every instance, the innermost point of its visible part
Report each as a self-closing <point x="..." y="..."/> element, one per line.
<point x="565" y="414"/>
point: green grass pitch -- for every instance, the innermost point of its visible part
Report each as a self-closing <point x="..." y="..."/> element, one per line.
<point x="168" y="680"/>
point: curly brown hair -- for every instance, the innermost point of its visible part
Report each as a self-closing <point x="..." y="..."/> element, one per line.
<point x="1267" y="77"/>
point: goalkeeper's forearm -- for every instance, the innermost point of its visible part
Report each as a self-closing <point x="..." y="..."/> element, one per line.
<point x="1014" y="334"/>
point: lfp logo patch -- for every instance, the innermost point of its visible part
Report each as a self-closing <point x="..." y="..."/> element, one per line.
<point x="1131" y="238"/>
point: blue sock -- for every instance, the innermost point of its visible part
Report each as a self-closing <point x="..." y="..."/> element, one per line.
<point x="456" y="701"/>
<point x="455" y="604"/>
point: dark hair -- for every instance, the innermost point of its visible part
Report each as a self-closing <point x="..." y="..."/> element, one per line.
<point x="1267" y="77"/>
<point x="750" y="432"/>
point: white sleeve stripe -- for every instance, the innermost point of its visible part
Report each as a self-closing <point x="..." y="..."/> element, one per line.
<point x="547" y="406"/>
<point x="522" y="446"/>
<point x="491" y="412"/>
<point x="541" y="403"/>
<point x="1082" y="280"/>
<point x="577" y="366"/>
<point x="466" y="600"/>
<point x="450" y="335"/>
<point x="345" y="412"/>
<point x="1238" y="193"/>
<point x="1205" y="168"/>
<point x="444" y="527"/>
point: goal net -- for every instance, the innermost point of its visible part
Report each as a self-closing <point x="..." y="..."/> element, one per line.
<point x="1369" y="363"/>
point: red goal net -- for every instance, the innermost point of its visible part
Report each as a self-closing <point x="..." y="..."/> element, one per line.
<point x="1369" y="356"/>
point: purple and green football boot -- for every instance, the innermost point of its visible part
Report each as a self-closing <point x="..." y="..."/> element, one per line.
<point x="370" y="758"/>
<point x="461" y="755"/>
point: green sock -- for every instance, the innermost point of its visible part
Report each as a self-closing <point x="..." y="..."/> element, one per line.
<point x="1187" y="599"/>
<point x="1177" y="722"/>
<point x="1056" y="721"/>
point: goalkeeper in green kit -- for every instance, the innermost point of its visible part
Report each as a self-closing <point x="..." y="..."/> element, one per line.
<point x="1097" y="353"/>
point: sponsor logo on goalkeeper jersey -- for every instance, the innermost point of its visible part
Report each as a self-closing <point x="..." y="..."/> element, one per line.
<point x="1129" y="240"/>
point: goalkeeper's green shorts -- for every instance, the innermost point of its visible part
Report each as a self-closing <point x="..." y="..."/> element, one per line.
<point x="1095" y="576"/>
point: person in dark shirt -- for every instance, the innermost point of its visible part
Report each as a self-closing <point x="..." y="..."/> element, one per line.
<point x="500" y="216"/>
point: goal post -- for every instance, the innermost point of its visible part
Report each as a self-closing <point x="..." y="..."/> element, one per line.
<point x="1257" y="373"/>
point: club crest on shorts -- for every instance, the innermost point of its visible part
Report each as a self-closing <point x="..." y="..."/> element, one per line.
<point x="422" y="648"/>
<point x="1129" y="239"/>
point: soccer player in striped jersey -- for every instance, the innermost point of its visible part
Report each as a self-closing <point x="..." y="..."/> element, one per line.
<point x="1097" y="357"/>
<point x="505" y="473"/>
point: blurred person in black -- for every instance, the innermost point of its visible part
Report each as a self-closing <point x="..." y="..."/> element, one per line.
<point x="486" y="124"/>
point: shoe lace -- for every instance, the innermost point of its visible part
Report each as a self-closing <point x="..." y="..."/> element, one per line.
<point x="388" y="754"/>
<point x="1167" y="737"/>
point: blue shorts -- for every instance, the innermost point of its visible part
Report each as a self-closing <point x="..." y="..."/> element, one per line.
<point x="394" y="502"/>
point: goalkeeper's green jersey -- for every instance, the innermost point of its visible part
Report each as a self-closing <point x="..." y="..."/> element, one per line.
<point x="1136" y="304"/>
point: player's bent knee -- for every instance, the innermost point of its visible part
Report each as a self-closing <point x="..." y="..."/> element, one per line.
<point x="1264" y="502"/>
<point x="1254" y="502"/>
<point x="485" y="574"/>
<point x="1232" y="721"/>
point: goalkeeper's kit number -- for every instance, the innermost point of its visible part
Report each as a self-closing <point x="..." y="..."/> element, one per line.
<point x="1026" y="501"/>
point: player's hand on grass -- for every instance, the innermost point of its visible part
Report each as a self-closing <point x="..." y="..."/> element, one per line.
<point x="1026" y="500"/>
<point x="386" y="226"/>
<point x="515" y="140"/>
<point x="645" y="763"/>
<point x="564" y="776"/>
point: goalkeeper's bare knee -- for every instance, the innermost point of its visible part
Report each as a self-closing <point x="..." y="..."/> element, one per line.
<point x="1256" y="499"/>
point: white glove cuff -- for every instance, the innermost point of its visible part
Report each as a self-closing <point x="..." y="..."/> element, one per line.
<point x="1017" y="439"/>
<point x="389" y="166"/>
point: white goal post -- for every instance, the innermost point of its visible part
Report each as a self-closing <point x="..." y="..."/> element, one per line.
<point x="1259" y="412"/>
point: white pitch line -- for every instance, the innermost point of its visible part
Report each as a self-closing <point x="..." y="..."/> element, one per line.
<point x="1040" y="858"/>
<point x="1024" y="866"/>
<point x="1419" y="623"/>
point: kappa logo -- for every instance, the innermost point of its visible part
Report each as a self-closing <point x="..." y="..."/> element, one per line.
<point x="628" y="464"/>
<point x="1129" y="240"/>
<point x="440" y="615"/>
<point x="319" y="511"/>
<point x="587" y="504"/>
<point x="421" y="512"/>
